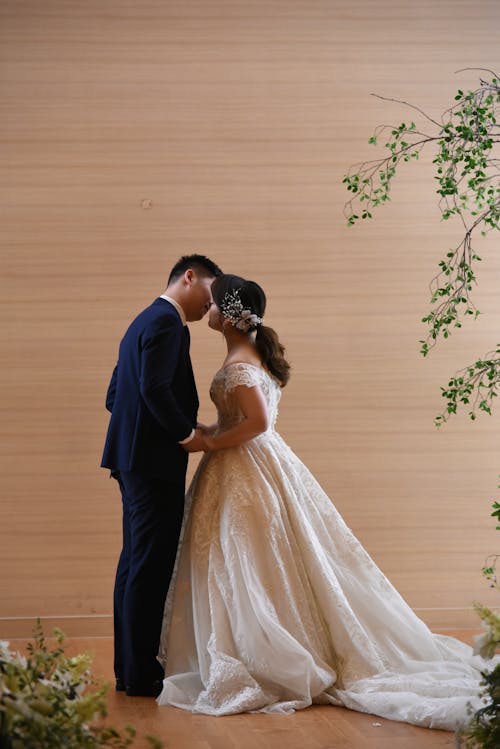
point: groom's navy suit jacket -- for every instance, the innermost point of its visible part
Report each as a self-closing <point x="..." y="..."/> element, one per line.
<point x="152" y="396"/>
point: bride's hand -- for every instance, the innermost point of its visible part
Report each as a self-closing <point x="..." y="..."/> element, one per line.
<point x="196" y="444"/>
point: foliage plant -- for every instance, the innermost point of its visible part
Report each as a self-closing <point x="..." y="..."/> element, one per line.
<point x="483" y="730"/>
<point x="467" y="173"/>
<point x="466" y="155"/>
<point x="45" y="703"/>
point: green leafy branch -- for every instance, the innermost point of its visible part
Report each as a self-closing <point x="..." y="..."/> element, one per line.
<point x="490" y="569"/>
<point x="468" y="185"/>
<point x="475" y="385"/>
<point x="370" y="181"/>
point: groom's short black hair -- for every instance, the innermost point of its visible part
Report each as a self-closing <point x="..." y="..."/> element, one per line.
<point x="201" y="264"/>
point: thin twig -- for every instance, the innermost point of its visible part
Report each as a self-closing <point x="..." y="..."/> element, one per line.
<point x="407" y="104"/>
<point x="462" y="70"/>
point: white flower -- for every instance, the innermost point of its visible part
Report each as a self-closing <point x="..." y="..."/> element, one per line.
<point x="5" y="653"/>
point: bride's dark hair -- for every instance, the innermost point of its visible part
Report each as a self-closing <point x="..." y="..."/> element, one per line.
<point x="267" y="343"/>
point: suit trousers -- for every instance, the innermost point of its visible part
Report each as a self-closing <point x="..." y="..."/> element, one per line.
<point x="152" y="519"/>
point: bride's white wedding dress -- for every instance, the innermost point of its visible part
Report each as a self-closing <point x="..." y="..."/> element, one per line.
<point x="276" y="605"/>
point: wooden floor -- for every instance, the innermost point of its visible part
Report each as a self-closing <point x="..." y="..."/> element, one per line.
<point x="314" y="728"/>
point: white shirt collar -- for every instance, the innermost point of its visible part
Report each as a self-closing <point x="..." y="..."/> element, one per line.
<point x="177" y="307"/>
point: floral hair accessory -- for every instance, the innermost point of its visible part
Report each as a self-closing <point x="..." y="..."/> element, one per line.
<point x="232" y="309"/>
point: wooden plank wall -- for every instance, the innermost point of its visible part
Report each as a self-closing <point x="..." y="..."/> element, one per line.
<point x="133" y="132"/>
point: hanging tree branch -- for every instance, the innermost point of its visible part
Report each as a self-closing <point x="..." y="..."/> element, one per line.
<point x="468" y="186"/>
<point x="475" y="385"/>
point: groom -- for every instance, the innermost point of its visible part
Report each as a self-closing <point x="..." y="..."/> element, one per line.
<point x="153" y="402"/>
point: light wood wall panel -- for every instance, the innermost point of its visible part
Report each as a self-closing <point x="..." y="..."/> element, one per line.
<point x="134" y="132"/>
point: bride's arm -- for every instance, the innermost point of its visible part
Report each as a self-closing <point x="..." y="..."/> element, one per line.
<point x="205" y="430"/>
<point x="255" y="420"/>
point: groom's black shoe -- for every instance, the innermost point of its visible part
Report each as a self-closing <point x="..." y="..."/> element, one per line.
<point x="119" y="685"/>
<point x="152" y="689"/>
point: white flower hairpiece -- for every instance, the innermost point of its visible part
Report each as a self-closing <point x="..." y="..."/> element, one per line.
<point x="232" y="309"/>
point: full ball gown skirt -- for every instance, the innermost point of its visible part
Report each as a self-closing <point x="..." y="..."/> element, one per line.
<point x="275" y="605"/>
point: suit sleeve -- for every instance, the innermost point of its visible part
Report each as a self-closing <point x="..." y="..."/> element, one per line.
<point x="110" y="395"/>
<point x="162" y="345"/>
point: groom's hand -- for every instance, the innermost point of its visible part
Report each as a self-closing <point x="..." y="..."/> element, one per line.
<point x="196" y="444"/>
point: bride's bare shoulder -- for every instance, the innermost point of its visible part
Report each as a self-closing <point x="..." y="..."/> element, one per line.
<point x="251" y="361"/>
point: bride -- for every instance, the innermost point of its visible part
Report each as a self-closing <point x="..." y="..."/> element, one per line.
<point x="275" y="604"/>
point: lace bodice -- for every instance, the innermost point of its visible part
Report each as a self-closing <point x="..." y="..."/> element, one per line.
<point x="250" y="375"/>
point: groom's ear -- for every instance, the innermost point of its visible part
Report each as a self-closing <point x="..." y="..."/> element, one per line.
<point x="189" y="277"/>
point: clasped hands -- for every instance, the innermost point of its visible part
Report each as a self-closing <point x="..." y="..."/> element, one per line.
<point x="202" y="440"/>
